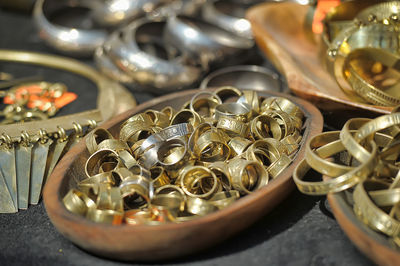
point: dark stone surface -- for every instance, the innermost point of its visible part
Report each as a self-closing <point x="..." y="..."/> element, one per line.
<point x="300" y="231"/>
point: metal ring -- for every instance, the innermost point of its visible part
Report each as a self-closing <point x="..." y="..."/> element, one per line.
<point x="78" y="129"/>
<point x="205" y="42"/>
<point x="145" y="68"/>
<point x="107" y="67"/>
<point x="67" y="40"/>
<point x="25" y="139"/>
<point x="43" y="136"/>
<point x="220" y="13"/>
<point x="116" y="12"/>
<point x="62" y="135"/>
<point x="250" y="77"/>
<point x="92" y="124"/>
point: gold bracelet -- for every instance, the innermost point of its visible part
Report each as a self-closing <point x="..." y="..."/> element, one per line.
<point x="375" y="217"/>
<point x="376" y="94"/>
<point x="351" y="39"/>
<point x="337" y="184"/>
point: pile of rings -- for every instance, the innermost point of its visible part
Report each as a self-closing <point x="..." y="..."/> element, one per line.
<point x="156" y="46"/>
<point x="363" y="160"/>
<point x="177" y="165"/>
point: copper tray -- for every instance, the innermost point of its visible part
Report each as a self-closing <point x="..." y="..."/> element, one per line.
<point x="279" y="31"/>
<point x="144" y="242"/>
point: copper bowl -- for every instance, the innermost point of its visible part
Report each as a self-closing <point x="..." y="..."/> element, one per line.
<point x="149" y="243"/>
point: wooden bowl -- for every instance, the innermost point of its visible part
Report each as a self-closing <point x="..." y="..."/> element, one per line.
<point x="280" y="33"/>
<point x="144" y="242"/>
<point x="374" y="245"/>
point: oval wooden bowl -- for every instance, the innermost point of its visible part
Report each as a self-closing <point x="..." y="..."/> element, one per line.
<point x="143" y="242"/>
<point x="297" y="57"/>
<point x="374" y="245"/>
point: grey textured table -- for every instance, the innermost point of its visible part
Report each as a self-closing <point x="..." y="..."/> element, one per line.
<point x="300" y="231"/>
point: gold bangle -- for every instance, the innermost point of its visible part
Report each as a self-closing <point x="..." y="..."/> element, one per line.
<point x="283" y="119"/>
<point x="247" y="176"/>
<point x="282" y="104"/>
<point x="74" y="203"/>
<point x="221" y="171"/>
<point x="211" y="146"/>
<point x="279" y="165"/>
<point x="109" y="198"/>
<point x="233" y="127"/>
<point x="360" y="153"/>
<point x="136" y="130"/>
<point x="228" y="92"/>
<point x="343" y="182"/>
<point x="365" y="88"/>
<point x="191" y="182"/>
<point x="238" y="111"/>
<point x="105" y="216"/>
<point x="332" y="145"/>
<point x="159" y="119"/>
<point x="170" y="202"/>
<point x="251" y="98"/>
<point x="137" y="217"/>
<point x="187" y="116"/>
<point x="264" y="126"/>
<point x="159" y="177"/>
<point x="172" y="189"/>
<point x="271" y="148"/>
<point x="291" y="144"/>
<point x="197" y="132"/>
<point x="141" y="117"/>
<point x="375" y="217"/>
<point x="96" y="136"/>
<point x="95" y="160"/>
<point x="385" y="197"/>
<point x="356" y="37"/>
<point x="91" y="185"/>
<point x="199" y="206"/>
<point x="377" y="124"/>
<point x="172" y="154"/>
<point x="239" y="145"/>
<point x="198" y="104"/>
<point x="225" y="198"/>
<point x="169" y="111"/>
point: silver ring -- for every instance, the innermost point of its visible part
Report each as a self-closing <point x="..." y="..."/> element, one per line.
<point x="145" y="68"/>
<point x="149" y="148"/>
<point x="116" y="12"/>
<point x="107" y="67"/>
<point x="67" y="40"/>
<point x="202" y="40"/>
<point x="184" y="7"/>
<point x="220" y="13"/>
<point x="245" y="77"/>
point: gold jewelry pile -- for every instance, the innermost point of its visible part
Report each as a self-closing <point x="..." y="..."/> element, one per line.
<point x="363" y="159"/>
<point x="362" y="54"/>
<point x="176" y="165"/>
